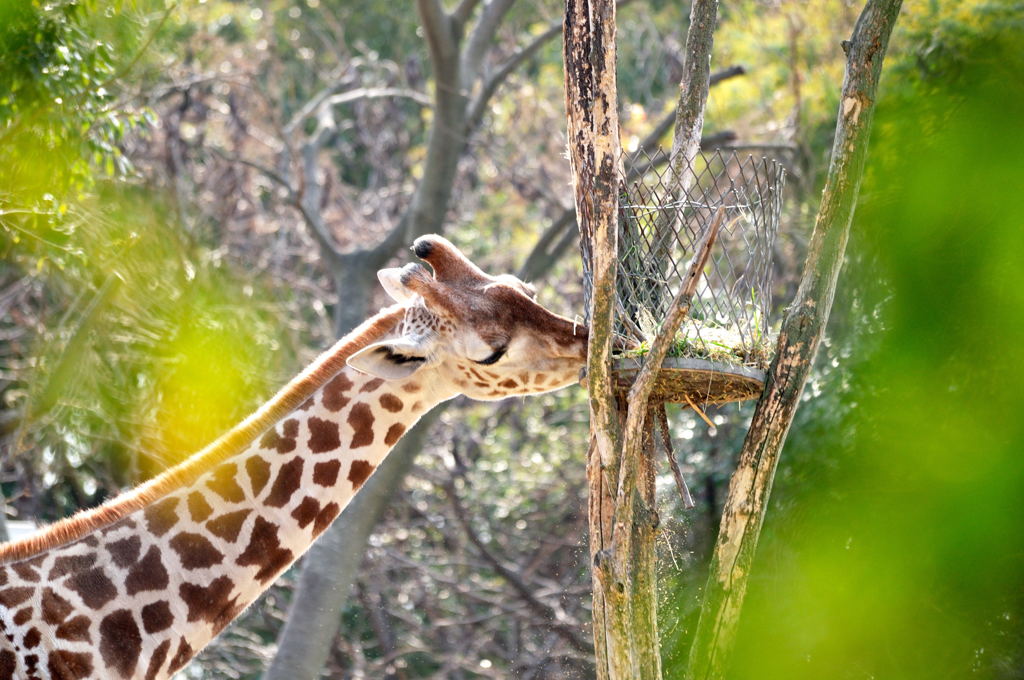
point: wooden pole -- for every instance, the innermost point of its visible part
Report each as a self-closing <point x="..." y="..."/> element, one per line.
<point x="801" y="333"/>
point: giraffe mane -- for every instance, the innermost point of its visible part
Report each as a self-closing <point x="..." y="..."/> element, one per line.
<point x="287" y="399"/>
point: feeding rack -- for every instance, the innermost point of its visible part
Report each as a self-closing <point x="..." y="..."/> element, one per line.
<point x="723" y="347"/>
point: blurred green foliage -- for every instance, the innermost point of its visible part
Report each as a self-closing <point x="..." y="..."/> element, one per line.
<point x="899" y="552"/>
<point x="143" y="353"/>
<point x="58" y="79"/>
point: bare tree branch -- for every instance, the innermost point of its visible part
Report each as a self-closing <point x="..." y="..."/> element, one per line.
<point x="329" y="96"/>
<point x="693" y="89"/>
<point x="554" y="617"/>
<point x="438" y="27"/>
<point x="479" y="104"/>
<point x="274" y="176"/>
<point x="464" y="10"/>
<point x="480" y="39"/>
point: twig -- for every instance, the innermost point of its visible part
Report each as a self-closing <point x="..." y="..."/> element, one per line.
<point x="677" y="475"/>
<point x="698" y="411"/>
<point x="126" y="69"/>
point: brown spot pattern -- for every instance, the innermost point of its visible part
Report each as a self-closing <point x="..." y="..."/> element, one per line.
<point x="157" y="660"/>
<point x="326" y="516"/>
<point x="54" y="607"/>
<point x="391" y="403"/>
<point x="198" y="506"/>
<point x="12" y="597"/>
<point x="22" y="616"/>
<point x="148" y="574"/>
<point x="195" y="551"/>
<point x="125" y="552"/>
<point x="209" y="603"/>
<point x="361" y="420"/>
<point x="157" y="617"/>
<point x="68" y="564"/>
<point x="394" y="433"/>
<point x="323" y="435"/>
<point x="265" y="551"/>
<point x="26" y="569"/>
<point x="306" y="511"/>
<point x="181" y="657"/>
<point x="161" y="516"/>
<point x="259" y="473"/>
<point x="32" y="638"/>
<point x="288" y="480"/>
<point x="509" y="383"/>
<point x="284" y="441"/>
<point x="335" y="392"/>
<point x="411" y="387"/>
<point x="8" y="662"/>
<point x="69" y="665"/>
<point x="120" y="641"/>
<point x="224" y="484"/>
<point x="326" y="473"/>
<point x="358" y="473"/>
<point x="372" y="385"/>
<point x="93" y="587"/>
<point x="75" y="629"/>
<point x="229" y="525"/>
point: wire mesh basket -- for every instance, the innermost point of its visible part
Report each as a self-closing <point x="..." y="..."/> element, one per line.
<point x="725" y="344"/>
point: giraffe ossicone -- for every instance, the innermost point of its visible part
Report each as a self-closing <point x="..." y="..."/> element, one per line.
<point x="136" y="587"/>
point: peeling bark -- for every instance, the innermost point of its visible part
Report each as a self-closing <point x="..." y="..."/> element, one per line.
<point x="622" y="519"/>
<point x="799" y="338"/>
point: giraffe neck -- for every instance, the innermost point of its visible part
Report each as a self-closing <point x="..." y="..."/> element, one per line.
<point x="141" y="596"/>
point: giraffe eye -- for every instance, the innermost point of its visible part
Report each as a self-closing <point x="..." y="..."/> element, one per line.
<point x="493" y="359"/>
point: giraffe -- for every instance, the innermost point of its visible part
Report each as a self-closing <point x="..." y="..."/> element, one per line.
<point x="136" y="587"/>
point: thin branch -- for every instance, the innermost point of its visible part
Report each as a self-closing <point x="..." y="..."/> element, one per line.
<point x="693" y="88"/>
<point x="438" y="28"/>
<point x="464" y="10"/>
<point x="677" y="474"/>
<point x="490" y="86"/>
<point x="494" y="81"/>
<point x="310" y="106"/>
<point x="640" y="393"/>
<point x="377" y="93"/>
<point x="269" y="173"/>
<point x="481" y="37"/>
<point x="126" y="69"/>
<point x="665" y="124"/>
<point x="554" y="617"/>
<point x="328" y="97"/>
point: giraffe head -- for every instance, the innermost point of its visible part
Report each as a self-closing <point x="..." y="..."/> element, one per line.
<point x="485" y="335"/>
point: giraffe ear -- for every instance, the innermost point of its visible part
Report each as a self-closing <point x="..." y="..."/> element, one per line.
<point x="391" y="280"/>
<point x="389" y="359"/>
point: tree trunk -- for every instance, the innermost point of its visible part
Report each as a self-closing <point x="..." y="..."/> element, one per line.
<point x="621" y="543"/>
<point x="800" y="336"/>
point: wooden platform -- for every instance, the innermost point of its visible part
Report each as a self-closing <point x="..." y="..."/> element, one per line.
<point x="706" y="382"/>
